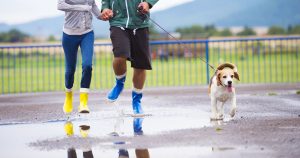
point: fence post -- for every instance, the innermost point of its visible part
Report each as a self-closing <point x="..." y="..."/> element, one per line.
<point x="207" y="60"/>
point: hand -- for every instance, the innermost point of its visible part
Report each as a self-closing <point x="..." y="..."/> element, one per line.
<point x="107" y="14"/>
<point x="144" y="7"/>
<point x="100" y="16"/>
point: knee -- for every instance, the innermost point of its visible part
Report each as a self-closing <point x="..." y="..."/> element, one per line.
<point x="70" y="70"/>
<point x="87" y="68"/>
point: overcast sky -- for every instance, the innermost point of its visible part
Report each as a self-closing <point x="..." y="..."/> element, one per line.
<point x="20" y="11"/>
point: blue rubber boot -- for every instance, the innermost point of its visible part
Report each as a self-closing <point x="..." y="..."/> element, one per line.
<point x="138" y="126"/>
<point x="136" y="103"/>
<point x="116" y="91"/>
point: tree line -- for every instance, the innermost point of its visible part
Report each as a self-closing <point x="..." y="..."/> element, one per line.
<point x="277" y="30"/>
<point x="211" y="30"/>
<point x="13" y="35"/>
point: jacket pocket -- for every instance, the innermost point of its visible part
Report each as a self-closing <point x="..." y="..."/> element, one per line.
<point x="74" y="20"/>
<point x="88" y="19"/>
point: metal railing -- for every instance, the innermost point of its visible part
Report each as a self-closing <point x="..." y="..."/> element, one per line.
<point x="37" y="68"/>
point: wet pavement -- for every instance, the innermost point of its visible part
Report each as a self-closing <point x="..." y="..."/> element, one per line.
<point x="176" y="124"/>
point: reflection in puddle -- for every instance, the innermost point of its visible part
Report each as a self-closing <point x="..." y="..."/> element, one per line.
<point x="138" y="131"/>
<point x="113" y="136"/>
<point x="84" y="132"/>
<point x="86" y="148"/>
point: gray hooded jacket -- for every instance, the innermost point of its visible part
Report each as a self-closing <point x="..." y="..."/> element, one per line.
<point x="78" y="15"/>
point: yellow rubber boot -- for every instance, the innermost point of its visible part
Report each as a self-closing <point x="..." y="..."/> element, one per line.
<point x="68" y="105"/>
<point x="69" y="128"/>
<point x="84" y="130"/>
<point x="83" y="107"/>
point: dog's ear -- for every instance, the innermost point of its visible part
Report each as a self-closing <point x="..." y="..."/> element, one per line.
<point x="218" y="78"/>
<point x="235" y="71"/>
<point x="236" y="75"/>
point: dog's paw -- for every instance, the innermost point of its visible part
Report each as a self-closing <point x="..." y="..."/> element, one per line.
<point x="215" y="117"/>
<point x="220" y="116"/>
<point x="232" y="112"/>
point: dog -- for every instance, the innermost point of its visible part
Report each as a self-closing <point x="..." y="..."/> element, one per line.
<point x="221" y="90"/>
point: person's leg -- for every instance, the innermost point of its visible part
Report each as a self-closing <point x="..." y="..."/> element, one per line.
<point x="138" y="126"/>
<point x="123" y="153"/>
<point x="119" y="66"/>
<point x="121" y="50"/>
<point x="142" y="153"/>
<point x="87" y="51"/>
<point x="87" y="150"/>
<point x="68" y="127"/>
<point x="139" y="77"/>
<point x="72" y="153"/>
<point x="88" y="154"/>
<point x="141" y="61"/>
<point x="70" y="45"/>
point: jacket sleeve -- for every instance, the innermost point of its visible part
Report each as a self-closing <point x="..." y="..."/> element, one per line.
<point x="63" y="6"/>
<point x="151" y="2"/>
<point x="95" y="10"/>
<point x="105" y="4"/>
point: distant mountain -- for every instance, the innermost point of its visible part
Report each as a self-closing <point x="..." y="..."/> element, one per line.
<point x="202" y="12"/>
<point x="228" y="13"/>
<point x="222" y="13"/>
<point x="265" y="13"/>
<point x="4" y="27"/>
<point x="53" y="26"/>
<point x="43" y="27"/>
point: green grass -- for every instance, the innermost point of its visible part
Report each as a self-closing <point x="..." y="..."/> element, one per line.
<point x="35" y="73"/>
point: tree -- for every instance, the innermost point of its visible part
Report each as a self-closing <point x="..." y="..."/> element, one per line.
<point x="206" y="31"/>
<point x="246" y="32"/>
<point x="225" y="32"/>
<point x="294" y="30"/>
<point x="211" y="30"/>
<point x="51" y="38"/>
<point x="13" y="35"/>
<point x="289" y="29"/>
<point x="4" y="37"/>
<point x="192" y="29"/>
<point x="276" y="30"/>
<point x="17" y="36"/>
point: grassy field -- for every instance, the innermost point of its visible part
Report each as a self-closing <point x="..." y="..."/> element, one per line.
<point x="35" y="72"/>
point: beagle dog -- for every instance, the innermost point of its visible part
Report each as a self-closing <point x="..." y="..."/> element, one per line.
<point x="221" y="89"/>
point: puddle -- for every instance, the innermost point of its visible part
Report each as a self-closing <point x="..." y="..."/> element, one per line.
<point x="106" y="135"/>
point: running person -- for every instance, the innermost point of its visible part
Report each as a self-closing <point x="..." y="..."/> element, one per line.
<point x="129" y="34"/>
<point x="78" y="31"/>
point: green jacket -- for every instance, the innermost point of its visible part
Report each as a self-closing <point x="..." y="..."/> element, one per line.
<point x="126" y="14"/>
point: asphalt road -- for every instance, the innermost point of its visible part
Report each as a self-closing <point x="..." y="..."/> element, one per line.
<point x="267" y="124"/>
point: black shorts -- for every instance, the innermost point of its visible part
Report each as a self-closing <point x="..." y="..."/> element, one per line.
<point x="133" y="45"/>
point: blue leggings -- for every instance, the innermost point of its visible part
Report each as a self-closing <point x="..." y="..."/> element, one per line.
<point x="70" y="45"/>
